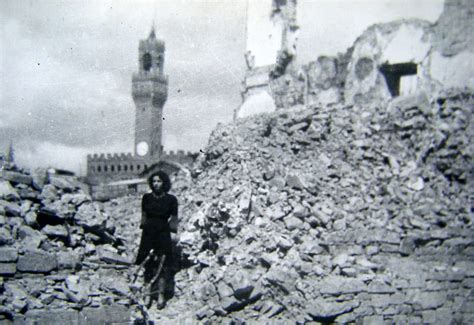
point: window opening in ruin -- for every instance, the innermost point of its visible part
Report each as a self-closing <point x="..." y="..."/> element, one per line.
<point x="147" y="61"/>
<point x="393" y="74"/>
<point x="131" y="168"/>
<point x="138" y="167"/>
<point x="125" y="168"/>
<point x="106" y="169"/>
<point x="112" y="168"/>
<point x="99" y="169"/>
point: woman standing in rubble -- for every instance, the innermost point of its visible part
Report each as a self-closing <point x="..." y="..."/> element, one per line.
<point x="159" y="220"/>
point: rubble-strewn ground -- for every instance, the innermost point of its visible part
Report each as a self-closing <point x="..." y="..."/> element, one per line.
<point x="333" y="214"/>
<point x="325" y="214"/>
<point x="62" y="258"/>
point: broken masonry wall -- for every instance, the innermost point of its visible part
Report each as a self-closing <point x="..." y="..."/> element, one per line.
<point x="392" y="43"/>
<point x="272" y="34"/>
<point x="453" y="45"/>
<point x="392" y="59"/>
<point x="443" y="55"/>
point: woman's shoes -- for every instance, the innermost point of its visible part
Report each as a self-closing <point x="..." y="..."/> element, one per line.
<point x="147" y="301"/>
<point x="161" y="303"/>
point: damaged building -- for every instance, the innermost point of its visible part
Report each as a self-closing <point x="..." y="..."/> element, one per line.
<point x="399" y="58"/>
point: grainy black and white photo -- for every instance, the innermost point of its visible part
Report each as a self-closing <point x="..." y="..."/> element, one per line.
<point x="236" y="162"/>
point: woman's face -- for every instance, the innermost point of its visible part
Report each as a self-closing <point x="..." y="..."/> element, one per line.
<point x="157" y="183"/>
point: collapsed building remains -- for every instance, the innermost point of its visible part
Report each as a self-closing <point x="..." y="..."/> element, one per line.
<point x="391" y="59"/>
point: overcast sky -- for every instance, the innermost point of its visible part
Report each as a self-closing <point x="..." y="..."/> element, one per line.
<point x="66" y="66"/>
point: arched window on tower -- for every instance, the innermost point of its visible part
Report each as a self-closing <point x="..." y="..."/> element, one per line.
<point x="147" y="61"/>
<point x="160" y="61"/>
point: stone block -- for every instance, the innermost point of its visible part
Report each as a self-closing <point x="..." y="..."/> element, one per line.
<point x="49" y="193"/>
<point x="295" y="182"/>
<point x="7" y="268"/>
<point x="438" y="316"/>
<point x="5" y="235"/>
<point x="56" y="231"/>
<point x="37" y="262"/>
<point x="205" y="291"/>
<point x="11" y="209"/>
<point x="104" y="315"/>
<point x="204" y="312"/>
<point x="8" y="254"/>
<point x="68" y="260"/>
<point x="67" y="184"/>
<point x="427" y="300"/>
<point x="293" y="223"/>
<point x="231" y="304"/>
<point x="52" y="316"/>
<point x="324" y="310"/>
<point x="337" y="285"/>
<point x="224" y="290"/>
<point x="241" y="284"/>
<point x="112" y="257"/>
<point x="373" y="320"/>
<point x="17" y="178"/>
<point x="7" y="192"/>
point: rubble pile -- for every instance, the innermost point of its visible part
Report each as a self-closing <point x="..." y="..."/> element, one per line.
<point x="332" y="214"/>
<point x="61" y="258"/>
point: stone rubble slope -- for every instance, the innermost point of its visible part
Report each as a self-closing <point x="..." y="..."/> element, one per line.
<point x="332" y="214"/>
<point x="61" y="255"/>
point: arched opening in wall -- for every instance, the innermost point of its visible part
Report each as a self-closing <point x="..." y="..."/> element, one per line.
<point x="125" y="167"/>
<point x="106" y="169"/>
<point x="112" y="168"/>
<point x="131" y="168"/>
<point x="400" y="77"/>
<point x="138" y="167"/>
<point x="99" y="169"/>
<point x="146" y="61"/>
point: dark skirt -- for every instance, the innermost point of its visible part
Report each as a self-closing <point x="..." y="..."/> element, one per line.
<point x="157" y="237"/>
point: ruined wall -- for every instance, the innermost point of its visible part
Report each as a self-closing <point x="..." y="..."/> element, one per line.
<point x="390" y="59"/>
<point x="272" y="34"/>
<point x="392" y="43"/>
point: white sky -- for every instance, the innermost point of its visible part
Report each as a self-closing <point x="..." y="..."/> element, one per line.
<point x="66" y="66"/>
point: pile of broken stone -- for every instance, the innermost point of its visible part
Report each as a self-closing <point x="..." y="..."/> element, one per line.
<point x="327" y="214"/>
<point x="332" y="214"/>
<point x="59" y="251"/>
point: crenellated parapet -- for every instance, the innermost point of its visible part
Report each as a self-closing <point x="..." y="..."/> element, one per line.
<point x="185" y="158"/>
<point x="107" y="157"/>
<point x="102" y="168"/>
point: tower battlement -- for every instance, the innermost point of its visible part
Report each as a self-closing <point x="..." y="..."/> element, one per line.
<point x="105" y="157"/>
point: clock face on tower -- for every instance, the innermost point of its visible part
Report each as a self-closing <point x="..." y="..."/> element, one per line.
<point x="142" y="148"/>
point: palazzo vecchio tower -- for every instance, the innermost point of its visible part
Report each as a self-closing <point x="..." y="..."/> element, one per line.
<point x="149" y="92"/>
